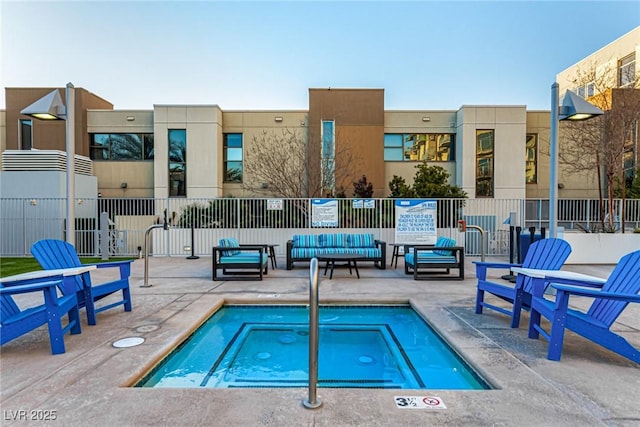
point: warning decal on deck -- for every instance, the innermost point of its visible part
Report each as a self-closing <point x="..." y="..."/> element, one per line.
<point x="419" y="402"/>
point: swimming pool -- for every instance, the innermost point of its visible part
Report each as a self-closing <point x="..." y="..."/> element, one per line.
<point x="388" y="346"/>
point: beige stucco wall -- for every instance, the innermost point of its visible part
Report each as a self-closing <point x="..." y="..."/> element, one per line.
<point x="411" y="121"/>
<point x="509" y="124"/>
<point x="604" y="59"/>
<point x="251" y="124"/>
<point x="203" y="124"/>
<point x="138" y="175"/>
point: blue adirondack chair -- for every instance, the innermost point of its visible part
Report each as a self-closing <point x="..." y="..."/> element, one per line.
<point x="54" y="254"/>
<point x="545" y="254"/>
<point x="621" y="288"/>
<point x="15" y="322"/>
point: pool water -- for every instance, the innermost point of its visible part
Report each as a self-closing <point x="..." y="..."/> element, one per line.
<point x="359" y="347"/>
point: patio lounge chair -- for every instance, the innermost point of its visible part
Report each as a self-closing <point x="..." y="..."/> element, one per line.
<point x="15" y="322"/>
<point x="55" y="254"/>
<point x="545" y="254"/>
<point x="621" y="288"/>
<point x="236" y="260"/>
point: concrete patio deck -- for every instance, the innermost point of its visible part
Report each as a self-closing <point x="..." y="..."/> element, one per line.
<point x="590" y="386"/>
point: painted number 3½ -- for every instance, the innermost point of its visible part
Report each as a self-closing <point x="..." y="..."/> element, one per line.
<point x="403" y="401"/>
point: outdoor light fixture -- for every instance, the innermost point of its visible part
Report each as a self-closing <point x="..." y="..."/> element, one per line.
<point x="575" y="108"/>
<point x="51" y="107"/>
<point x="278" y="118"/>
<point x="131" y="118"/>
<point x="426" y="119"/>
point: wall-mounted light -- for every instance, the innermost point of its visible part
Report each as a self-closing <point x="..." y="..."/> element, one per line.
<point x="131" y="118"/>
<point x="265" y="185"/>
<point x="278" y="119"/>
<point x="123" y="185"/>
<point x="80" y="201"/>
<point x="560" y="185"/>
<point x="33" y="202"/>
<point x="426" y="119"/>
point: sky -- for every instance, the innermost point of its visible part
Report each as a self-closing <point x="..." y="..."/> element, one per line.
<point x="265" y="55"/>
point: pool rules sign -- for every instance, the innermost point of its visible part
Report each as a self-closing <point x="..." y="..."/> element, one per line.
<point x="416" y="221"/>
<point x="419" y="402"/>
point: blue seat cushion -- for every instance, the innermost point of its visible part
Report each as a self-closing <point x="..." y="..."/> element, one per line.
<point x="230" y="243"/>
<point x="305" y="241"/>
<point x="245" y="258"/>
<point x="444" y="242"/>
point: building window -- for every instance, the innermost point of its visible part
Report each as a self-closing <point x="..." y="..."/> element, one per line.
<point x="432" y="147"/>
<point x="392" y="146"/>
<point x="233" y="157"/>
<point x="328" y="157"/>
<point x="630" y="155"/>
<point x="531" y="159"/>
<point x="591" y="89"/>
<point x="121" y="146"/>
<point x="26" y="134"/>
<point x="177" y="162"/>
<point x="580" y="90"/>
<point x="627" y="71"/>
<point x="484" y="163"/>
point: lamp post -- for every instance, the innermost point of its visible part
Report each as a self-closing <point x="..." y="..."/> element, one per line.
<point x="51" y="107"/>
<point x="573" y="108"/>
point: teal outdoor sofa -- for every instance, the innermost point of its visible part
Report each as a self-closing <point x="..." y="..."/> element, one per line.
<point x="304" y="247"/>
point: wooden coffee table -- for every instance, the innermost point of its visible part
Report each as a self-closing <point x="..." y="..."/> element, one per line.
<point x="331" y="259"/>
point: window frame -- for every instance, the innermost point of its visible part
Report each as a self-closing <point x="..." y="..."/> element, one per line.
<point x="226" y="162"/>
<point x="180" y="189"/>
<point x="485" y="155"/>
<point x="415" y="147"/>
<point x="147" y="148"/>
<point x="628" y="61"/>
<point x="528" y="160"/>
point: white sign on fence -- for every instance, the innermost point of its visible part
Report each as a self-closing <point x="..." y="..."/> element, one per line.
<point x="324" y="213"/>
<point x="416" y="221"/>
<point x="274" y="204"/>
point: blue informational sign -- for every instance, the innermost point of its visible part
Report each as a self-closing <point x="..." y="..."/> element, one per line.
<point x="324" y="213"/>
<point x="363" y="203"/>
<point x="416" y="221"/>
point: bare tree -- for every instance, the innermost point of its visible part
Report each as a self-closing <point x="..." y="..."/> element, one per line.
<point x="278" y="164"/>
<point x="599" y="145"/>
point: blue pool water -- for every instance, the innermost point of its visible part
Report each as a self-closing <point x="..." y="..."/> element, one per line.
<point x="359" y="347"/>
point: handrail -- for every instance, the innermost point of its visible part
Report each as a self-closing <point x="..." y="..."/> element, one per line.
<point x="482" y="239"/>
<point x="146" y="251"/>
<point x="312" y="402"/>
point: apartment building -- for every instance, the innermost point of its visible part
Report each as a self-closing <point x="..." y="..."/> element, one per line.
<point x="494" y="151"/>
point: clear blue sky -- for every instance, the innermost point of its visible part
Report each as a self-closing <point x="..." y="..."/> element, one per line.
<point x="266" y="55"/>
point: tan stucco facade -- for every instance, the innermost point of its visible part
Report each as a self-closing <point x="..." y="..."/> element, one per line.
<point x="605" y="60"/>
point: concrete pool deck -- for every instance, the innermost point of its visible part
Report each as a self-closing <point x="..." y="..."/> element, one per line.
<point x="87" y="385"/>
